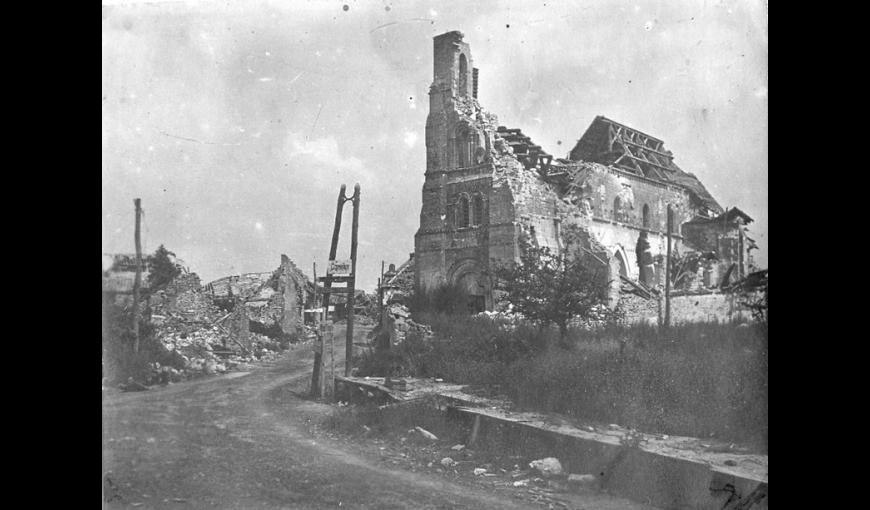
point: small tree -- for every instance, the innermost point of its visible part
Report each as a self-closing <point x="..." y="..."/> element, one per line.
<point x="550" y="288"/>
<point x="163" y="269"/>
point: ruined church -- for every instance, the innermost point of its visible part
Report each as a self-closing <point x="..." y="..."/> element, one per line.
<point x="488" y="186"/>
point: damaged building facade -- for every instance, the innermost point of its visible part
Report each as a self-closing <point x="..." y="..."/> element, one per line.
<point x="272" y="301"/>
<point x="487" y="187"/>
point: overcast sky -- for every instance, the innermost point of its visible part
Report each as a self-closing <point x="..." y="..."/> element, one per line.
<point x="236" y="122"/>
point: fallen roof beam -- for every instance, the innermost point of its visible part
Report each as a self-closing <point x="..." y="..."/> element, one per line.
<point x="644" y="292"/>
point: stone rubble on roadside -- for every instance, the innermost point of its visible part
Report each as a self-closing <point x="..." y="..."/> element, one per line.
<point x="549" y="466"/>
<point x="198" y="333"/>
<point x="425" y="433"/>
<point x="582" y="481"/>
<point x="397" y="323"/>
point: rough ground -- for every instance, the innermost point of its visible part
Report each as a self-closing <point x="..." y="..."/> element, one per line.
<point x="244" y="440"/>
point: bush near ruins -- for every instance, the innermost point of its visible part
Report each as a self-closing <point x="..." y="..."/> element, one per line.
<point x="549" y="288"/>
<point x="163" y="269"/>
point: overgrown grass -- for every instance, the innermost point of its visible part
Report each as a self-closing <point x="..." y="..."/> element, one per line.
<point x="697" y="380"/>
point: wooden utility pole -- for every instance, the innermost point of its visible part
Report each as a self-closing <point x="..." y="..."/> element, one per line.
<point x="348" y="360"/>
<point x="381" y="284"/>
<point x="667" y="321"/>
<point x="316" y="378"/>
<point x="338" y="271"/>
<point x="327" y="284"/>
<point x="137" y="282"/>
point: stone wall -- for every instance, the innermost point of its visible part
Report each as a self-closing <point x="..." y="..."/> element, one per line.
<point x="708" y="307"/>
<point x="638" y="309"/>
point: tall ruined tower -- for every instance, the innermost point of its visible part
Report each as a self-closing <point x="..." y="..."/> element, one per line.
<point x="452" y="244"/>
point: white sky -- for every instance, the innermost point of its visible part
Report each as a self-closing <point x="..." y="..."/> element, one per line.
<point x="236" y="122"/>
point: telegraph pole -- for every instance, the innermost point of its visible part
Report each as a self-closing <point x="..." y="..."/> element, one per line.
<point x="338" y="271"/>
<point x="667" y="321"/>
<point x="137" y="282"/>
<point x="327" y="284"/>
<point x="348" y="353"/>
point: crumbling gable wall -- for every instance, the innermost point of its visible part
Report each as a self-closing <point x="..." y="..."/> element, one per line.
<point x="729" y="241"/>
<point x="273" y="300"/>
<point x="291" y="286"/>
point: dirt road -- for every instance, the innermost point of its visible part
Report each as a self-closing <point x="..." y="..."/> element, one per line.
<point x="240" y="441"/>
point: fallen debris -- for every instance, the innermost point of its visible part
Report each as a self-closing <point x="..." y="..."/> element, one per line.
<point x="585" y="481"/>
<point x="448" y="462"/>
<point x="132" y="385"/>
<point x="549" y="466"/>
<point x="426" y="433"/>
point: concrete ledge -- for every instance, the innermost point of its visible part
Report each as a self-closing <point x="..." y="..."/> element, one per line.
<point x="669" y="472"/>
<point x="649" y="473"/>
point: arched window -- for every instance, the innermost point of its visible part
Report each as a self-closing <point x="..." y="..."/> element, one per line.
<point x="645" y="216"/>
<point x="462" y="211"/>
<point x="617" y="209"/>
<point x="463" y="147"/>
<point x="477" y="209"/>
<point x="463" y="75"/>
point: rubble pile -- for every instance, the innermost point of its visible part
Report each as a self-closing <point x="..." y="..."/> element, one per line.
<point x="192" y="327"/>
<point x="398" y="320"/>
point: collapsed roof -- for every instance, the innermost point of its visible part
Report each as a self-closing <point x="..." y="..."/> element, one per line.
<point x="613" y="144"/>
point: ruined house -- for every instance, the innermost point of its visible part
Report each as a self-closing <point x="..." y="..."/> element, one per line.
<point x="272" y="301"/>
<point x="488" y="186"/>
<point x="398" y="283"/>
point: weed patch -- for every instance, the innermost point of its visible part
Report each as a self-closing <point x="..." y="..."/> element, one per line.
<point x="700" y="380"/>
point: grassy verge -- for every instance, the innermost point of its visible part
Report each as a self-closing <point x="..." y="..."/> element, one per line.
<point x="698" y="380"/>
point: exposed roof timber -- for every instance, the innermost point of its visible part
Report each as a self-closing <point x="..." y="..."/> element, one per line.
<point x="644" y="160"/>
<point x="614" y="123"/>
<point x="646" y="147"/>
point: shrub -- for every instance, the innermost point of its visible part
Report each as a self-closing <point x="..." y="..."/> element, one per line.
<point x="553" y="288"/>
<point x="466" y="349"/>
<point x="163" y="269"/>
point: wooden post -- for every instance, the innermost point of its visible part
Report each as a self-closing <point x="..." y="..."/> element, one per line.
<point x="381" y="284"/>
<point x="667" y="320"/>
<point x="318" y="355"/>
<point x="328" y="389"/>
<point x="475" y="429"/>
<point x="348" y="360"/>
<point x="137" y="282"/>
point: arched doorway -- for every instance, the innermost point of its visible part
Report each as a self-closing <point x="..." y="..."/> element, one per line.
<point x="618" y="268"/>
<point x="469" y="275"/>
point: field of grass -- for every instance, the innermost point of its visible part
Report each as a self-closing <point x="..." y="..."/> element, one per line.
<point x="698" y="380"/>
